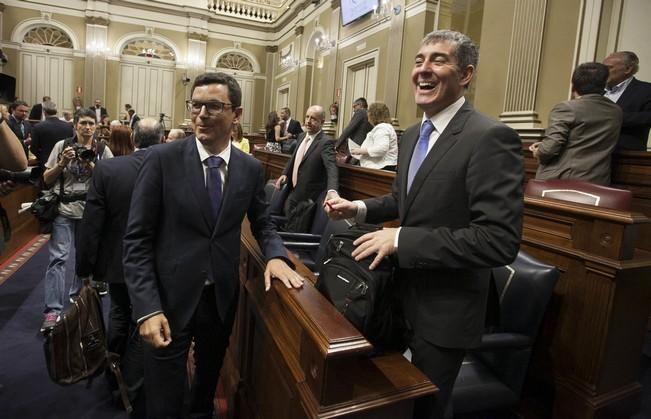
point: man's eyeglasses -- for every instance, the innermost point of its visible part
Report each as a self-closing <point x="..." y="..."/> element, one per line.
<point x="213" y="107"/>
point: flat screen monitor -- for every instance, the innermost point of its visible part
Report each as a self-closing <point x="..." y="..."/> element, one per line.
<point x="351" y="10"/>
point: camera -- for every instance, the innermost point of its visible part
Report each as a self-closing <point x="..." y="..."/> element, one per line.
<point x="31" y="175"/>
<point x="83" y="153"/>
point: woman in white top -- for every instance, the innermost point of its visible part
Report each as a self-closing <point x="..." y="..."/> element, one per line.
<point x="380" y="148"/>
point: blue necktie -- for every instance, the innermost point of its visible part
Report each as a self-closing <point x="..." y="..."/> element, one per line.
<point x="214" y="183"/>
<point x="420" y="152"/>
<point x="22" y="129"/>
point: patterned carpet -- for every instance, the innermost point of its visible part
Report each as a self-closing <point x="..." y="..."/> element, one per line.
<point x="21" y="256"/>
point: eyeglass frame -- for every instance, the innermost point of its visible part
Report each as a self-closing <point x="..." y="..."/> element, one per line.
<point x="221" y="106"/>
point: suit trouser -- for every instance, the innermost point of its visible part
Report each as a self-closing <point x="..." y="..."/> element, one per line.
<point x="124" y="340"/>
<point x="165" y="368"/>
<point x="441" y="366"/>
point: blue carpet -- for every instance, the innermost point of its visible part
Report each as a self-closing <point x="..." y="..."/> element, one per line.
<point x="26" y="390"/>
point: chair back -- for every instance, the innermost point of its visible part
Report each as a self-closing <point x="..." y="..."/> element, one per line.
<point x="581" y="192"/>
<point x="276" y="197"/>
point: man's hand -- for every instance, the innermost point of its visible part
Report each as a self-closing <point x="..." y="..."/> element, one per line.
<point x="277" y="268"/>
<point x="67" y="155"/>
<point x="156" y="331"/>
<point x="359" y="152"/>
<point x="281" y="181"/>
<point x="339" y="208"/>
<point x="534" y="148"/>
<point x="6" y="187"/>
<point x="380" y="242"/>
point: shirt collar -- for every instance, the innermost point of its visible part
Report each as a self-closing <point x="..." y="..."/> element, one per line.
<point x="443" y="118"/>
<point x="620" y="86"/>
<point x="203" y="153"/>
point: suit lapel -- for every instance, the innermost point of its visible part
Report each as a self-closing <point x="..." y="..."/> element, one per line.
<point x="443" y="144"/>
<point x="196" y="179"/>
<point x="627" y="94"/>
<point x="312" y="146"/>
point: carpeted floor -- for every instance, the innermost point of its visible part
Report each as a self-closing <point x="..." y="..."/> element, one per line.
<point x="26" y="391"/>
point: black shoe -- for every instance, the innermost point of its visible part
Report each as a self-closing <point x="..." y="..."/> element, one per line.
<point x="49" y="321"/>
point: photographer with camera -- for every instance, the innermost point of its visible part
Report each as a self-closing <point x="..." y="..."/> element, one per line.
<point x="69" y="169"/>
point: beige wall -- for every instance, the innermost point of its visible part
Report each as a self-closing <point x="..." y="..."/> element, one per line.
<point x="489" y="24"/>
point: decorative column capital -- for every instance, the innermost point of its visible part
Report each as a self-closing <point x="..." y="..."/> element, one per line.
<point x="97" y="20"/>
<point x="198" y="36"/>
<point x="299" y="30"/>
<point x="271" y="48"/>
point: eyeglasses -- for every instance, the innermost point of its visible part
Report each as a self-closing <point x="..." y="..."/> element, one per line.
<point x="213" y="107"/>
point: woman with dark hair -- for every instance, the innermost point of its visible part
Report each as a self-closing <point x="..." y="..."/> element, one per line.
<point x="238" y="140"/>
<point x="120" y="141"/>
<point x="272" y="132"/>
<point x="380" y="148"/>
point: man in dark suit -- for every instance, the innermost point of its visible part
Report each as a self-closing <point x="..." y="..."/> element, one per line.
<point x="36" y="113"/>
<point x="312" y="167"/>
<point x="19" y="125"/>
<point x="133" y="118"/>
<point x="582" y="132"/>
<point x="357" y="128"/>
<point x="47" y="133"/>
<point x="99" y="248"/>
<point x="100" y="111"/>
<point x="290" y="130"/>
<point x="633" y="96"/>
<point x="458" y="197"/>
<point x="182" y="246"/>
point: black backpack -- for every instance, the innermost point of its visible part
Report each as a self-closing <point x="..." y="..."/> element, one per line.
<point x="366" y="298"/>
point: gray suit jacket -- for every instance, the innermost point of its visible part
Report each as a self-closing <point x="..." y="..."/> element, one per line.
<point x="580" y="139"/>
<point x="460" y="218"/>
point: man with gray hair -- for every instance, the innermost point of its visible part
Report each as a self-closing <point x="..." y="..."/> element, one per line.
<point x="458" y="197"/>
<point x="99" y="247"/>
<point x="175" y="134"/>
<point x="48" y="133"/>
<point x="633" y="96"/>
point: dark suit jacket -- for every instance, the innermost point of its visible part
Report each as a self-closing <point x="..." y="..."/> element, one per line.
<point x="172" y="245"/>
<point x="294" y="128"/>
<point x="134" y="121"/>
<point x="102" y="111"/>
<point x="636" y="104"/>
<point x="580" y="139"/>
<point x="356" y="129"/>
<point x="45" y="134"/>
<point x="36" y="113"/>
<point x="461" y="217"/>
<point x="15" y="127"/>
<point x="99" y="247"/>
<point x="317" y="171"/>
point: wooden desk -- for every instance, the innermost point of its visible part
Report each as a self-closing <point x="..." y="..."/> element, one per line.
<point x="292" y="355"/>
<point x="589" y="350"/>
<point x="24" y="226"/>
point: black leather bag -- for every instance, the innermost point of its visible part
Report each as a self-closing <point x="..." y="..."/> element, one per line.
<point x="75" y="348"/>
<point x="46" y="207"/>
<point x="366" y="298"/>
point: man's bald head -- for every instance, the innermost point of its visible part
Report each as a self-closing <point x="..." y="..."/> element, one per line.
<point x="147" y="132"/>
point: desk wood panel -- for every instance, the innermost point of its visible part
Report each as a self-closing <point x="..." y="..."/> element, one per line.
<point x="292" y="355"/>
<point x="23" y="226"/>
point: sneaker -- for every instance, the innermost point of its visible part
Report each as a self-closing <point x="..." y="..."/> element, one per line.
<point x="50" y="321"/>
<point x="74" y="298"/>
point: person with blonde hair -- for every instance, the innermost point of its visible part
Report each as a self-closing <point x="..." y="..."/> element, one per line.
<point x="175" y="134"/>
<point x="380" y="148"/>
<point x="238" y="140"/>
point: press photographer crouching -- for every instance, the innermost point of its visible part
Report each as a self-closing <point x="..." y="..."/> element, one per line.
<point x="68" y="172"/>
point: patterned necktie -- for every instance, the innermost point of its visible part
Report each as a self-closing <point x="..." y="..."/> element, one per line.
<point x="22" y="129"/>
<point x="420" y="152"/>
<point x="214" y="183"/>
<point x="300" y="153"/>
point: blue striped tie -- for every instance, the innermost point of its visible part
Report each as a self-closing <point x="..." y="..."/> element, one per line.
<point x="420" y="152"/>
